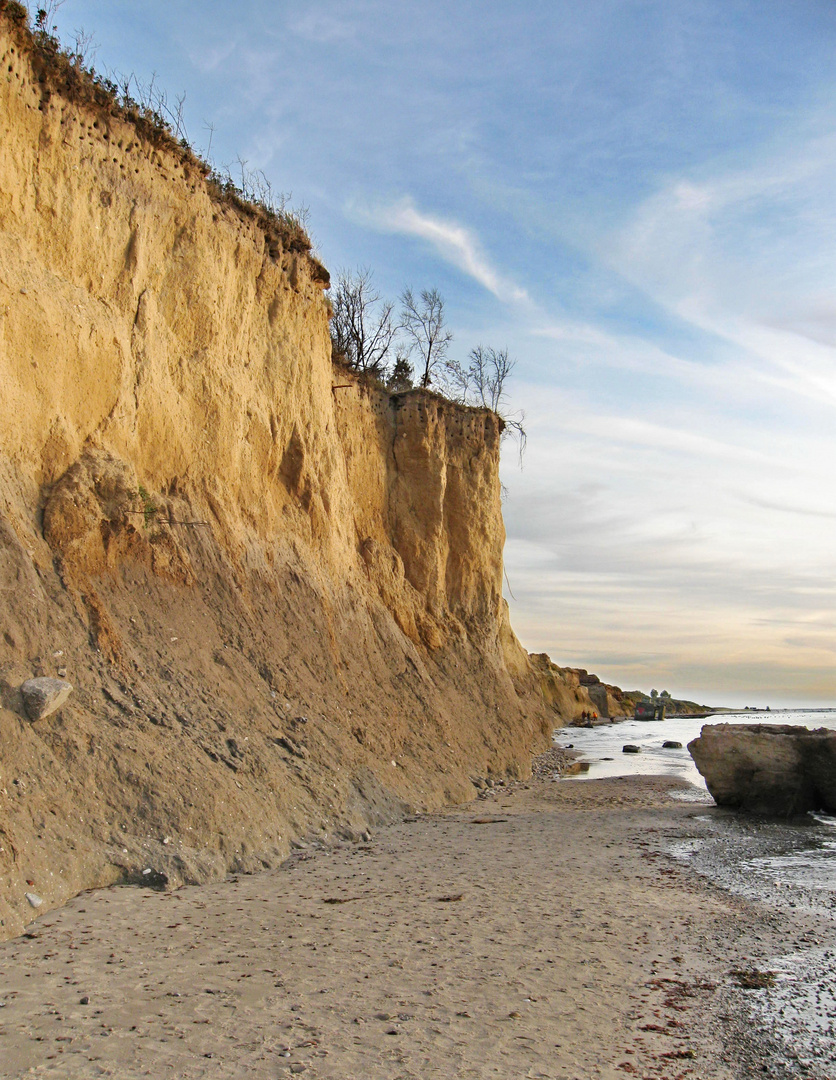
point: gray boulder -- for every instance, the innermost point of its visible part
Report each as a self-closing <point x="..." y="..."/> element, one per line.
<point x="42" y="697"/>
<point x="775" y="769"/>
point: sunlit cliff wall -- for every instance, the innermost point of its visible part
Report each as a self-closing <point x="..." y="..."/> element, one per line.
<point x="276" y="592"/>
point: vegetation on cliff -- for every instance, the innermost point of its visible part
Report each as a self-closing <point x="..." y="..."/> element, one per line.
<point x="368" y="337"/>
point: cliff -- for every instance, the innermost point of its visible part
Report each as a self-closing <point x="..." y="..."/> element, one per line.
<point x="275" y="591"/>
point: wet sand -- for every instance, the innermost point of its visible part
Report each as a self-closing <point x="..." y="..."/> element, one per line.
<point x="542" y="931"/>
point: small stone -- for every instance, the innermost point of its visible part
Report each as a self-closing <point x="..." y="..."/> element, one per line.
<point x="42" y="697"/>
<point x="671" y="744"/>
<point x="34" y="899"/>
<point x="631" y="749"/>
<point x="298" y="1068"/>
<point x="382" y="1016"/>
<point x="84" y="1001"/>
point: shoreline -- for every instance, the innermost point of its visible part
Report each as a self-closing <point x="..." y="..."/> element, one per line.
<point x="544" y="930"/>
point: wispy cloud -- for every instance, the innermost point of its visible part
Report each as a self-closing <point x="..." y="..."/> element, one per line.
<point x="784" y="508"/>
<point x="324" y="25"/>
<point x="582" y="333"/>
<point x="454" y="243"/>
<point x="743" y="254"/>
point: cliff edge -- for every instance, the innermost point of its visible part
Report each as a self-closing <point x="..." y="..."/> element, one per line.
<point x="275" y="591"/>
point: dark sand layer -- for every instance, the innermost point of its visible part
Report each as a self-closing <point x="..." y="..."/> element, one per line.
<point x="541" y="932"/>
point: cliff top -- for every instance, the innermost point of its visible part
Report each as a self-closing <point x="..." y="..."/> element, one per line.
<point x="64" y="71"/>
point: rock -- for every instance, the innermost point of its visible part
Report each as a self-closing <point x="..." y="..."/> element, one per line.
<point x="598" y="697"/>
<point x="34" y="900"/>
<point x="84" y="1001"/>
<point x="671" y="744"/>
<point x="629" y="748"/>
<point x="776" y="769"/>
<point x="42" y="697"/>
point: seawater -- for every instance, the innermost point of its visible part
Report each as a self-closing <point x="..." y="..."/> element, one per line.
<point x="749" y="853"/>
<point x="787" y="865"/>
<point x="602" y="746"/>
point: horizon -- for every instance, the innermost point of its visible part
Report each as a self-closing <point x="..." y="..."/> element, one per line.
<point x="635" y="200"/>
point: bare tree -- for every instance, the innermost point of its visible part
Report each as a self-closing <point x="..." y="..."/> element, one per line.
<point x="455" y="381"/>
<point x="362" y="327"/>
<point x="482" y="383"/>
<point x="489" y="370"/>
<point x="422" y="321"/>
<point x="83" y="53"/>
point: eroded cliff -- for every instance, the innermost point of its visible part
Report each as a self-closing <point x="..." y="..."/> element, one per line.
<point x="276" y="591"/>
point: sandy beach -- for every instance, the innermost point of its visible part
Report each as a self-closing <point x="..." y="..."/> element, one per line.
<point x="542" y="931"/>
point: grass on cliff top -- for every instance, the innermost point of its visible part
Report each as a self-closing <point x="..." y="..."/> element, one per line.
<point x="66" y="70"/>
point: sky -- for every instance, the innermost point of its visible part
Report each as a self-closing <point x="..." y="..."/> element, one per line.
<point x="636" y="198"/>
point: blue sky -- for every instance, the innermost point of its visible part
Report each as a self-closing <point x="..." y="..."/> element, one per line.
<point x="636" y="197"/>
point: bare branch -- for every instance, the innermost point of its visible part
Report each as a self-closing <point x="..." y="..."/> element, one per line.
<point x="363" y="326"/>
<point x="423" y="323"/>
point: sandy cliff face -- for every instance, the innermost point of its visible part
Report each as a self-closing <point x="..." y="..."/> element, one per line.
<point x="276" y="592"/>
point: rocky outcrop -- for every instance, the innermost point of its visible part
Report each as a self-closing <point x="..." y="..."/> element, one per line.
<point x="773" y="769"/>
<point x="276" y="590"/>
<point x="571" y="692"/>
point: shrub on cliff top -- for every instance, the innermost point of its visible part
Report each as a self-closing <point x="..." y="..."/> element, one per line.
<point x="17" y="13"/>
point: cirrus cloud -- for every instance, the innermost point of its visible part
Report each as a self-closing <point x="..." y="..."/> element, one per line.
<point x="454" y="243"/>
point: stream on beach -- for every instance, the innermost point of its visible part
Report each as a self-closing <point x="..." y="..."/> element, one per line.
<point x="789" y="865"/>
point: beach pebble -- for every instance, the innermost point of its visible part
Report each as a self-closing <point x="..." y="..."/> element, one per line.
<point x="34" y="899"/>
<point x="630" y="748"/>
<point x="671" y="744"/>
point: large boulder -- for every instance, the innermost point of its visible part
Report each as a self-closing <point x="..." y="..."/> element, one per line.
<point x="773" y="769"/>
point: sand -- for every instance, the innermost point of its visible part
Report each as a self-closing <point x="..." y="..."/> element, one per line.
<point x="539" y="932"/>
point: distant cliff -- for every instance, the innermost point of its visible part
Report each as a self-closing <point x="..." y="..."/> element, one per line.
<point x="276" y="591"/>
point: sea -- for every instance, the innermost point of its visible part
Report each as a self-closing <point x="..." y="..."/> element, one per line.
<point x="786" y="865"/>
